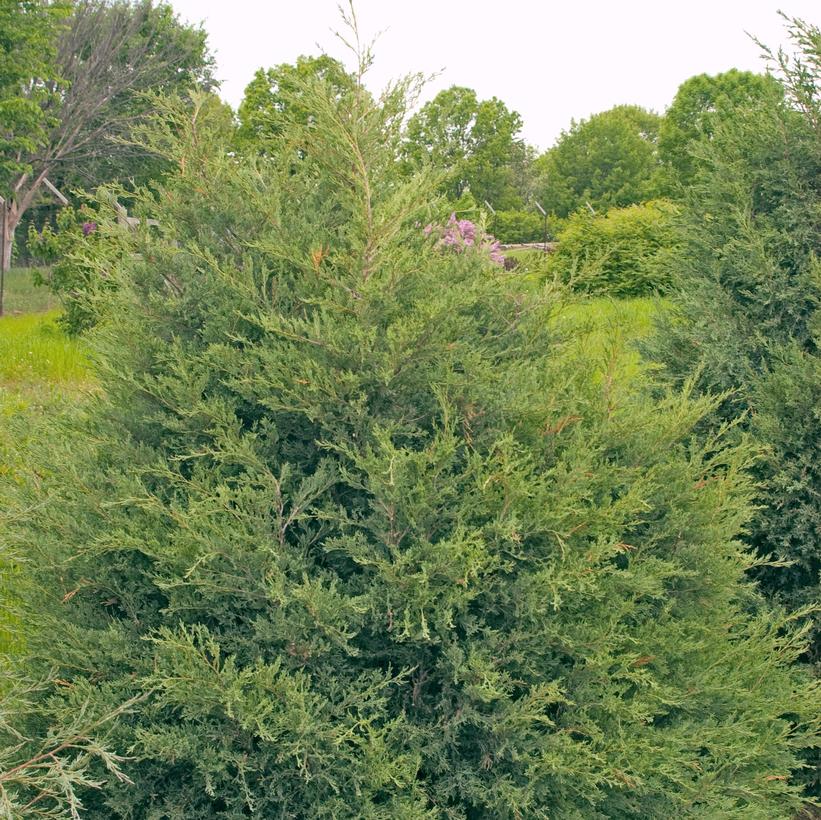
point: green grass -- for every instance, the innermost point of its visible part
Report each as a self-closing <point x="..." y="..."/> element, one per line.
<point x="23" y="296"/>
<point x="34" y="349"/>
<point x="530" y="262"/>
<point x="41" y="369"/>
<point x="600" y="319"/>
<point x="604" y="331"/>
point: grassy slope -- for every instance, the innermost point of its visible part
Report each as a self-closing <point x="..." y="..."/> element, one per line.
<point x="23" y="296"/>
<point x="605" y="331"/>
<point x="34" y="353"/>
<point x="40" y="369"/>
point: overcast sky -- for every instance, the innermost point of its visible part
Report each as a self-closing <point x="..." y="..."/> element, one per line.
<point x="550" y="61"/>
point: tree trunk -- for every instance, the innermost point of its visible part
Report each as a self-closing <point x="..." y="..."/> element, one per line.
<point x="9" y="224"/>
<point x="9" y="218"/>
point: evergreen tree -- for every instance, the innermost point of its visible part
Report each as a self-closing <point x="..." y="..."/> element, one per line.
<point x="368" y="537"/>
<point x="746" y="315"/>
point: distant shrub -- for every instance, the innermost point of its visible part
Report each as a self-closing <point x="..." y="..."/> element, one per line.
<point x="61" y="247"/>
<point x="512" y="227"/>
<point x="622" y="252"/>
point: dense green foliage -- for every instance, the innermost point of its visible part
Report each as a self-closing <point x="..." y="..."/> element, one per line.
<point x="475" y="141"/>
<point x="28" y="70"/>
<point x="700" y="105"/>
<point x="40" y="372"/>
<point x="623" y="252"/>
<point x="606" y="161"/>
<point x="74" y="273"/>
<point x="356" y="524"/>
<point x="75" y="127"/>
<point x="749" y="290"/>
<point x="371" y="537"/>
<point x="272" y="99"/>
<point x="512" y="227"/>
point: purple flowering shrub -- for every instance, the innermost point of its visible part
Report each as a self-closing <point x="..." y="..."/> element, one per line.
<point x="462" y="235"/>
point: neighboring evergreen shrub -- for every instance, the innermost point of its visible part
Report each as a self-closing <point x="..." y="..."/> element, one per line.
<point x="621" y="253"/>
<point x="787" y="419"/>
<point x="371" y="541"/>
<point x="746" y="317"/>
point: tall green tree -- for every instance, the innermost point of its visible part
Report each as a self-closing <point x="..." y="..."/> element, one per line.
<point x="700" y="104"/>
<point x="271" y="100"/>
<point x="607" y="161"/>
<point x="371" y="541"/>
<point x="746" y="317"/>
<point x="108" y="56"/>
<point x="474" y="141"/>
<point x="28" y="72"/>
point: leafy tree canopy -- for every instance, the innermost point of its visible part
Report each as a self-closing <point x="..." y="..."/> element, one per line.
<point x="700" y="104"/>
<point x="273" y="98"/>
<point x="149" y="50"/>
<point x="108" y="57"/>
<point x="28" y="75"/>
<point x="475" y="141"/>
<point x="608" y="160"/>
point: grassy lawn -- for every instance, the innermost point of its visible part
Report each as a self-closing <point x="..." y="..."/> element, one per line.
<point x="602" y="333"/>
<point x="41" y="369"/>
<point x="34" y="351"/>
<point x="600" y="323"/>
<point x="529" y="262"/>
<point x="23" y="296"/>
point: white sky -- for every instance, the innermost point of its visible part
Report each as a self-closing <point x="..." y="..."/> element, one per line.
<point x="551" y="61"/>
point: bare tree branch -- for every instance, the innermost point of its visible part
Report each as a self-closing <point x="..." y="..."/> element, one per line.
<point x="111" y="53"/>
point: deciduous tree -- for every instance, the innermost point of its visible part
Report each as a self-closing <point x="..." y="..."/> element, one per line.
<point x="28" y="72"/>
<point x="475" y="142"/>
<point x="700" y="104"/>
<point x="109" y="54"/>
<point x="271" y="99"/>
<point x="606" y="161"/>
